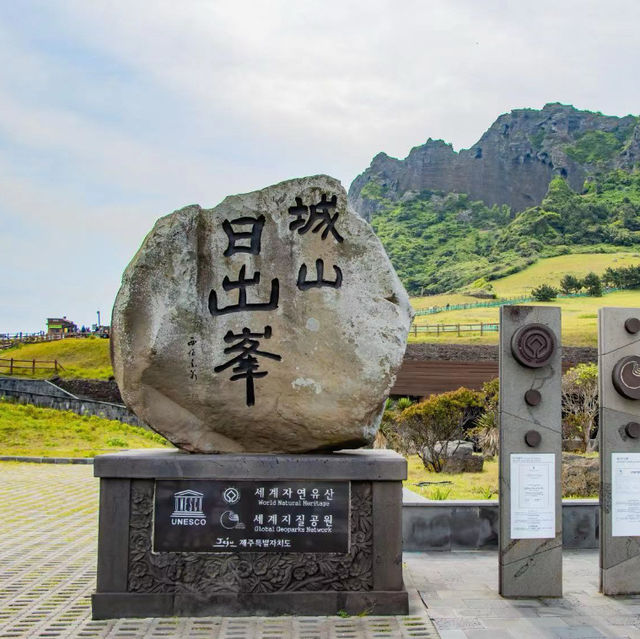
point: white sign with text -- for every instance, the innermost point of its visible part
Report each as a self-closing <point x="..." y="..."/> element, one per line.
<point x="533" y="496"/>
<point x="625" y="494"/>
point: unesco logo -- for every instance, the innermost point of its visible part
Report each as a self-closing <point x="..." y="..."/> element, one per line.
<point x="231" y="495"/>
<point x="187" y="509"/>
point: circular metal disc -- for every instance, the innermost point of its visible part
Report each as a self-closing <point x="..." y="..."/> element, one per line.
<point x="633" y="430"/>
<point x="626" y="377"/>
<point x="532" y="438"/>
<point x="532" y="397"/>
<point x="533" y="345"/>
<point x="632" y="325"/>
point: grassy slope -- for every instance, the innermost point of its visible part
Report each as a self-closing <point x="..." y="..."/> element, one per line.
<point x="32" y="431"/>
<point x="579" y="314"/>
<point x="551" y="270"/>
<point x="547" y="271"/>
<point x="81" y="357"/>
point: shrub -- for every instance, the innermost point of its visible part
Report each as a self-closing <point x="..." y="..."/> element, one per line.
<point x="593" y="284"/>
<point x="117" y="442"/>
<point x="544" y="293"/>
<point x="487" y="430"/>
<point x="580" y="402"/>
<point x="390" y="436"/>
<point x="439" y="494"/>
<point x="440" y="418"/>
<point x="570" y="284"/>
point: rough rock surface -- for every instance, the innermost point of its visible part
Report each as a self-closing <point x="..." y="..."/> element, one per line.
<point x="308" y="368"/>
<point x="470" y="464"/>
<point x="457" y="448"/>
<point x="458" y="455"/>
<point x="512" y="163"/>
<point x="580" y="475"/>
<point x="571" y="355"/>
<point x="100" y="390"/>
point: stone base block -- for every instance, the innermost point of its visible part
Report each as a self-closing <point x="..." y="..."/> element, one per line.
<point x="208" y="558"/>
<point x="109" y="606"/>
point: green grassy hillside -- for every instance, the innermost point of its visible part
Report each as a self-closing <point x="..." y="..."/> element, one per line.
<point x="441" y="242"/>
<point x="45" y="432"/>
<point x="551" y="270"/>
<point x="544" y="271"/>
<point x="86" y="357"/>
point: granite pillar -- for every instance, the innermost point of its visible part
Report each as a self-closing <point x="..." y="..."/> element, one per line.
<point x="619" y="433"/>
<point x="530" y="555"/>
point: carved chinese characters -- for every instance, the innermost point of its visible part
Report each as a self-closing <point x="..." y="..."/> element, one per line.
<point x="293" y="319"/>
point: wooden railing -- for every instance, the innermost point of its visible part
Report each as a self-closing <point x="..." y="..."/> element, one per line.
<point x="482" y="328"/>
<point x="7" y="340"/>
<point x="18" y="365"/>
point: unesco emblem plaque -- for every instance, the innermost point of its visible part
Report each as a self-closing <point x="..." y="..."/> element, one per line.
<point x="533" y="345"/>
<point x="251" y="516"/>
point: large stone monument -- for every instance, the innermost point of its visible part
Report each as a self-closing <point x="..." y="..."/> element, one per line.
<point x="258" y="337"/>
<point x="619" y="433"/>
<point x="530" y="555"/>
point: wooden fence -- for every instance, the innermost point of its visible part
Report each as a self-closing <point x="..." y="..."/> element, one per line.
<point x="18" y="365"/>
<point x="481" y="328"/>
<point x="7" y="340"/>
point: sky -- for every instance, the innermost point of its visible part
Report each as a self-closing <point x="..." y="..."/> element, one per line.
<point x="115" y="113"/>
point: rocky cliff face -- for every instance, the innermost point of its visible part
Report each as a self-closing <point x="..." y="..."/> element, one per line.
<point x="512" y="163"/>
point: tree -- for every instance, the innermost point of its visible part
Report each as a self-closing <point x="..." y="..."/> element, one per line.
<point x="544" y="293"/>
<point x="593" y="284"/>
<point x="570" y="284"/>
<point x="580" y="402"/>
<point x="487" y="429"/>
<point x="440" y="418"/>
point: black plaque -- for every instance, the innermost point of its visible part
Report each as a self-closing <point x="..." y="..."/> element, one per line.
<point x="251" y="516"/>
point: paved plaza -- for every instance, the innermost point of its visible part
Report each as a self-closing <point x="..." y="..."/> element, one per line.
<point x="48" y="528"/>
<point x="48" y="524"/>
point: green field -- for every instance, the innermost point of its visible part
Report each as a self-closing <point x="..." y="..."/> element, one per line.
<point x="579" y="319"/>
<point x="483" y="485"/>
<point x="551" y="270"/>
<point x="579" y="314"/>
<point x="86" y="357"/>
<point x="45" y="432"/>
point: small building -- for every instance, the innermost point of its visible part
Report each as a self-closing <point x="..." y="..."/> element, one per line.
<point x="60" y="326"/>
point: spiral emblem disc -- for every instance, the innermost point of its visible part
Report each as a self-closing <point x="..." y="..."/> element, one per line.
<point x="626" y="377"/>
<point x="533" y="345"/>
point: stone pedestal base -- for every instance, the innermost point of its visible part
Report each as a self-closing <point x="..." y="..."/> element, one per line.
<point x="137" y="580"/>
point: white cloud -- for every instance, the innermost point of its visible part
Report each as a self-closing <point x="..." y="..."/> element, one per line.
<point x="114" y="113"/>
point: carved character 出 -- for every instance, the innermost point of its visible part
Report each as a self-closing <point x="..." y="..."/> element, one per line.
<point x="241" y="284"/>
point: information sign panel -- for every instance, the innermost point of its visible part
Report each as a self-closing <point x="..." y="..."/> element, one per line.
<point x="625" y="494"/>
<point x="533" y="502"/>
<point x="251" y="516"/>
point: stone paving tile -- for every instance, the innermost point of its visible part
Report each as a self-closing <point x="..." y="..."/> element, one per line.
<point x="48" y="524"/>
<point x="48" y="527"/>
<point x="474" y="609"/>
